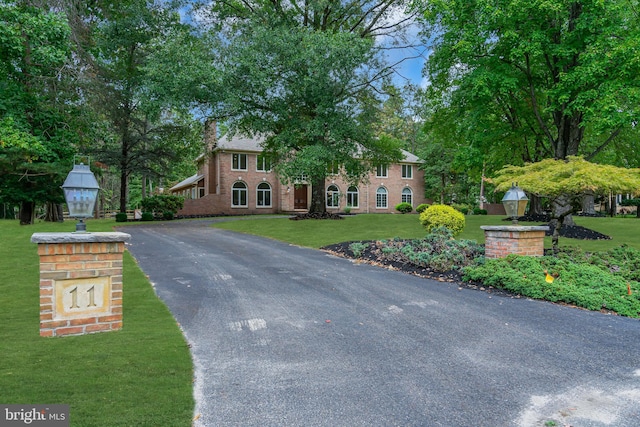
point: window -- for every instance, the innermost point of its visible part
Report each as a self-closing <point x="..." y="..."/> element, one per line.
<point x="407" y="196"/>
<point x="381" y="198"/>
<point x="407" y="171"/>
<point x="263" y="164"/>
<point x="264" y="195"/>
<point x="333" y="196"/>
<point x="239" y="162"/>
<point x="239" y="195"/>
<point x="352" y="197"/>
<point x="381" y="171"/>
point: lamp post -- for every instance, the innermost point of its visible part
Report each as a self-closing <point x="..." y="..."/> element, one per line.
<point x="80" y="192"/>
<point x="515" y="202"/>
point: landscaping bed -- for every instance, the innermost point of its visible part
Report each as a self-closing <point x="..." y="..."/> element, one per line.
<point x="602" y="281"/>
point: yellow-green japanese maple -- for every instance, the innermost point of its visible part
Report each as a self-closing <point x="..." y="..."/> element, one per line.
<point x="568" y="179"/>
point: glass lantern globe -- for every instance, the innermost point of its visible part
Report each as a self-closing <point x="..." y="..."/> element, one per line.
<point x="81" y="192"/>
<point x="515" y="202"/>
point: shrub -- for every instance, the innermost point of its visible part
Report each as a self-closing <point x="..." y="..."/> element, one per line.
<point x="162" y="203"/>
<point x="462" y="208"/>
<point x="358" y="248"/>
<point x="404" y="207"/>
<point x="347" y="209"/>
<point x="421" y="207"/>
<point x="442" y="216"/>
<point x="121" y="217"/>
<point x="585" y="285"/>
<point x="167" y="215"/>
<point x="147" y="216"/>
<point x="478" y="211"/>
<point x="438" y="251"/>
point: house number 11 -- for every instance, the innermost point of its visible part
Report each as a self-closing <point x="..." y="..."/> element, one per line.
<point x="74" y="297"/>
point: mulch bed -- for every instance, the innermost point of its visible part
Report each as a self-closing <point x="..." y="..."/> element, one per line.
<point x="454" y="277"/>
<point x="371" y="257"/>
<point x="323" y="215"/>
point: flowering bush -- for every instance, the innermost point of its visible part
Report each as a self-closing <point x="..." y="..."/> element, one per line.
<point x="442" y="216"/>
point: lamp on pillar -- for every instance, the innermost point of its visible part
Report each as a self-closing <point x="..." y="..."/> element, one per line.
<point x="515" y="202"/>
<point x="80" y="192"/>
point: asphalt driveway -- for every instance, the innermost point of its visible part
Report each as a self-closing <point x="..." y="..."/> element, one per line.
<point x="289" y="336"/>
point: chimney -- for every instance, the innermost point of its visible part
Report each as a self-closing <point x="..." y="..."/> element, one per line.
<point x="210" y="134"/>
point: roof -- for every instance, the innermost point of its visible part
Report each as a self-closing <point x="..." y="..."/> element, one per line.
<point x="253" y="144"/>
<point x="240" y="143"/>
<point x="410" y="158"/>
<point x="187" y="182"/>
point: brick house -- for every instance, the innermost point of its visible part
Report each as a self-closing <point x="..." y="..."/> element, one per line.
<point x="235" y="179"/>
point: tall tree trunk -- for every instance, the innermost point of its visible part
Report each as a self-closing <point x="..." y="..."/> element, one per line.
<point x="613" y="205"/>
<point x="123" y="190"/>
<point x="535" y="205"/>
<point x="317" y="197"/>
<point x="53" y="212"/>
<point x="588" y="205"/>
<point x="562" y="207"/>
<point x="144" y="186"/>
<point x="27" y="213"/>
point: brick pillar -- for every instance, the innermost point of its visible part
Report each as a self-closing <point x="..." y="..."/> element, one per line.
<point x="80" y="282"/>
<point x="502" y="240"/>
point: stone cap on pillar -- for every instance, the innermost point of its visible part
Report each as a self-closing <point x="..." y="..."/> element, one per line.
<point x="107" y="237"/>
<point x="515" y="227"/>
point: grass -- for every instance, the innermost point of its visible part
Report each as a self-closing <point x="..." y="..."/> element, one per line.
<point x="316" y="234"/>
<point x="141" y="375"/>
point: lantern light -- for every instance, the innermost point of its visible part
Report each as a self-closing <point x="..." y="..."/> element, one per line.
<point x="515" y="202"/>
<point x="81" y="191"/>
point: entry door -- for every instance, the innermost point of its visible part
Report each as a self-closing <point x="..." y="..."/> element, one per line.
<point x="300" y="197"/>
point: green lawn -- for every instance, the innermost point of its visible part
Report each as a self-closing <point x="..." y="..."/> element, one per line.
<point x="315" y="234"/>
<point x="139" y="376"/>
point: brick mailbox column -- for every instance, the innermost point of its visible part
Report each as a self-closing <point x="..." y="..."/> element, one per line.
<point x="80" y="282"/>
<point x="502" y="240"/>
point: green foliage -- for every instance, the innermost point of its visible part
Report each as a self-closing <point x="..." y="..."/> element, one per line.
<point x="421" y="207"/>
<point x="358" y="248"/>
<point x="149" y="130"/>
<point x="525" y="80"/>
<point x="478" y="211"/>
<point x="554" y="178"/>
<point x="438" y="251"/>
<point x="630" y="202"/>
<point x="162" y="203"/>
<point x="404" y="207"/>
<point x="310" y="79"/>
<point x="167" y="215"/>
<point x="442" y="216"/>
<point x="463" y="208"/>
<point x="39" y="112"/>
<point x="586" y="285"/>
<point x="121" y="217"/>
<point x="147" y="216"/>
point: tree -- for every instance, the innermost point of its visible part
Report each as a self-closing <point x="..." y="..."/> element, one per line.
<point x="40" y="119"/>
<point x="305" y="76"/>
<point x="570" y="178"/>
<point x="147" y="131"/>
<point x="530" y="78"/>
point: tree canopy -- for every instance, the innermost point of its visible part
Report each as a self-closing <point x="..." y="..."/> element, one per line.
<point x="572" y="177"/>
<point x="538" y="78"/>
<point x="305" y="76"/>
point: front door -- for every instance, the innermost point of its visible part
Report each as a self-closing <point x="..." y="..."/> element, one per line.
<point x="300" y="197"/>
